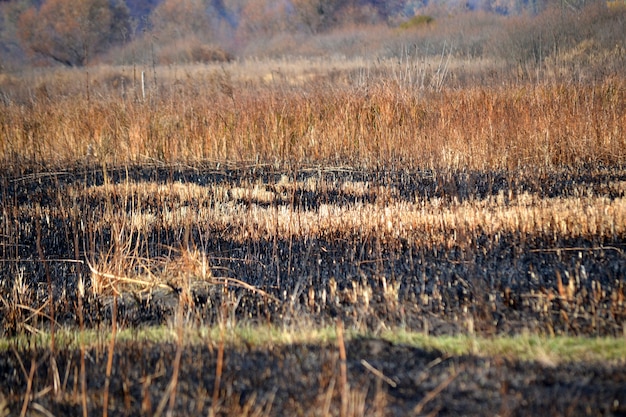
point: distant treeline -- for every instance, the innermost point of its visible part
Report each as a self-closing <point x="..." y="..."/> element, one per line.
<point x="77" y="32"/>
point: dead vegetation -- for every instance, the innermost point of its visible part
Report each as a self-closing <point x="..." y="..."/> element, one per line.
<point x="363" y="199"/>
<point x="386" y="116"/>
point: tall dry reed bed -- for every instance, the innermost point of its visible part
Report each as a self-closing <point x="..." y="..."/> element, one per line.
<point x="383" y="121"/>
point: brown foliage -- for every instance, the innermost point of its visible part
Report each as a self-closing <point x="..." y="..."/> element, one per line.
<point x="260" y="18"/>
<point x="174" y="19"/>
<point x="69" y="32"/>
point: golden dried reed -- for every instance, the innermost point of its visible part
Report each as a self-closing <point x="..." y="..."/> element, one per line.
<point x="213" y="117"/>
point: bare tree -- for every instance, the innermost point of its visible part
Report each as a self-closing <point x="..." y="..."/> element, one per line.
<point x="67" y="31"/>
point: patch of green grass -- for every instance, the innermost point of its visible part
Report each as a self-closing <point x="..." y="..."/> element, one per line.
<point x="548" y="350"/>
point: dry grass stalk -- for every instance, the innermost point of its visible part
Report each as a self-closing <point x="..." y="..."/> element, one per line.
<point x="56" y="381"/>
<point x="109" y="365"/>
<point x="431" y="395"/>
<point x="378" y="374"/>
<point x="219" y="365"/>
<point x="4" y="406"/>
<point x="169" y="396"/>
<point x="344" y="388"/>
<point x="146" y="400"/>
<point x="81" y="321"/>
<point x="29" y="387"/>
<point x="179" y="352"/>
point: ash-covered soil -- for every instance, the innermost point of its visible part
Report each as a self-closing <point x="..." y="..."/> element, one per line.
<point x="383" y="379"/>
<point x="477" y="282"/>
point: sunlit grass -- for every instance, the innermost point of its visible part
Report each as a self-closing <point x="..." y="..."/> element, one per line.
<point x="255" y="211"/>
<point x="526" y="347"/>
<point x="550" y="351"/>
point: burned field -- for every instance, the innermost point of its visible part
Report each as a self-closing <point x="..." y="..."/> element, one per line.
<point x="304" y="379"/>
<point x="434" y="252"/>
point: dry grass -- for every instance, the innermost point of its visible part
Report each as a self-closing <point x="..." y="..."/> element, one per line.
<point x="363" y="117"/>
<point x="270" y="215"/>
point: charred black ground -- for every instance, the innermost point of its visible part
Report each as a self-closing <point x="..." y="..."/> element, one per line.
<point x="299" y="380"/>
<point x="487" y="285"/>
